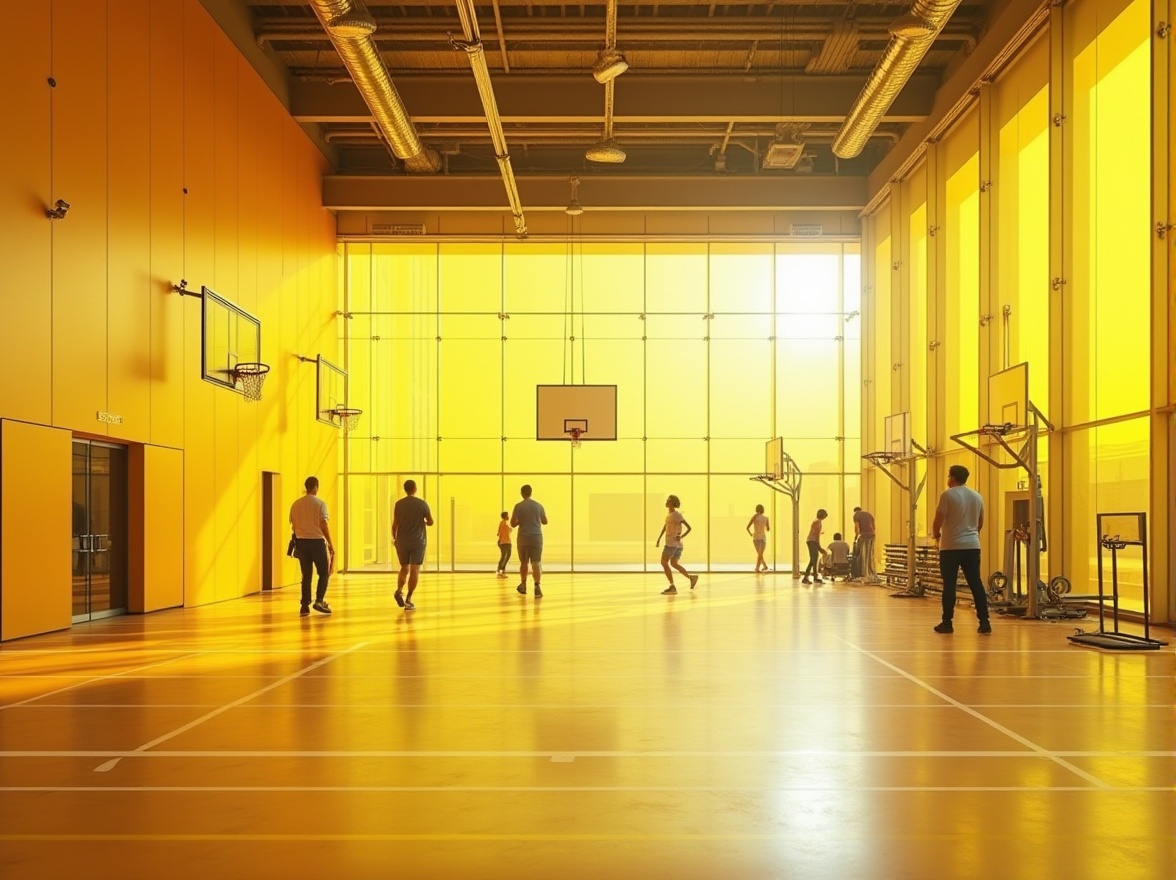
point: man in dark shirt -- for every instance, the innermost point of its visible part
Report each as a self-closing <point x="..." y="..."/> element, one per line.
<point x="530" y="517"/>
<point x="410" y="516"/>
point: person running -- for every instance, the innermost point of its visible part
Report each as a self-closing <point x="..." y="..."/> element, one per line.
<point x="312" y="537"/>
<point x="530" y="518"/>
<point x="503" y="543"/>
<point x="863" y="529"/>
<point x="813" y="541"/>
<point x="673" y="549"/>
<point x="958" y="521"/>
<point x="758" y="527"/>
<point x="410" y="517"/>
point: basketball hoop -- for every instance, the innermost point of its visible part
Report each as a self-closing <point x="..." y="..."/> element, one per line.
<point x="881" y="458"/>
<point x="574" y="433"/>
<point x="250" y="377"/>
<point x="346" y="418"/>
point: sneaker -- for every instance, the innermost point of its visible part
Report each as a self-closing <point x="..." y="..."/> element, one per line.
<point x="693" y="580"/>
<point x="408" y="606"/>
<point x="399" y="597"/>
<point x="818" y="581"/>
<point x="670" y="591"/>
<point x="538" y="592"/>
<point x="944" y="627"/>
<point x="806" y="581"/>
<point x="521" y="589"/>
<point x="321" y="607"/>
<point x="304" y="611"/>
<point x="985" y="628"/>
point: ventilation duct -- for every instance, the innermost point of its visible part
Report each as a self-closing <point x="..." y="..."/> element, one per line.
<point x="911" y="37"/>
<point x="350" y="27"/>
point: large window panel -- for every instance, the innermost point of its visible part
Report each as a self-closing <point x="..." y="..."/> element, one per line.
<point x="466" y="510"/>
<point x="741" y="280"/>
<point x="1109" y="297"/>
<point x="403" y="278"/>
<point x="808" y="388"/>
<point x="470" y="278"/>
<point x="692" y="492"/>
<point x="808" y="278"/>
<point x="733" y="501"/>
<point x="536" y="278"/>
<point x="677" y="370"/>
<point x="676" y="278"/>
<point x="609" y="522"/>
<point x="608" y="277"/>
<point x="739" y="373"/>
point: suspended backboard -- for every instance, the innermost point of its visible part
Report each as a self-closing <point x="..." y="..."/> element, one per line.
<point x="231" y="336"/>
<point x="1008" y="396"/>
<point x="774" y="458"/>
<point x="590" y="409"/>
<point x="897" y="435"/>
<point x="331" y="390"/>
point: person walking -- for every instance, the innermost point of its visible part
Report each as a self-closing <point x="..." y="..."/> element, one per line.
<point x="673" y="549"/>
<point x="863" y="529"/>
<point x="813" y="542"/>
<point x="503" y="543"/>
<point x="410" y="517"/>
<point x="530" y="518"/>
<point x="758" y="527"/>
<point x="312" y="538"/>
<point x="958" y="521"/>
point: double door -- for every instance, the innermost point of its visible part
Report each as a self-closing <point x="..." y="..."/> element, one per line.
<point x="99" y="540"/>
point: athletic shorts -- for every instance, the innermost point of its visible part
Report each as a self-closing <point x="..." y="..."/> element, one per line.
<point x="759" y="543"/>
<point x="411" y="555"/>
<point x="528" y="553"/>
<point x="670" y="554"/>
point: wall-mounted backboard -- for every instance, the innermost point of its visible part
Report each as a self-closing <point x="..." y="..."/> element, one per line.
<point x="774" y="458"/>
<point x="331" y="390"/>
<point x="590" y="408"/>
<point x="231" y="336"/>
<point x="1008" y="396"/>
<point x="897" y="434"/>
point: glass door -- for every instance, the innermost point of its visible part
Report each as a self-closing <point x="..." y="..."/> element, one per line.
<point x="99" y="540"/>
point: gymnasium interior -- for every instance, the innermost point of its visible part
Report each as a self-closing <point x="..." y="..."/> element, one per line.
<point x="800" y="254"/>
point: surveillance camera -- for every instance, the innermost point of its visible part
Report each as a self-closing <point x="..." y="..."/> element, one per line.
<point x="58" y="211"/>
<point x="62" y="205"/>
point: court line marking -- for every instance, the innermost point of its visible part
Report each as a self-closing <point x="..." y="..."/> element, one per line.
<point x="850" y="754"/>
<point x="465" y="707"/>
<point x="581" y="676"/>
<point x="111" y="764"/>
<point x="91" y="680"/>
<point x="980" y="716"/>
<point x="541" y="789"/>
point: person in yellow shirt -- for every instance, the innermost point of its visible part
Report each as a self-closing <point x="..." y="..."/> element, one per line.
<point x="503" y="543"/>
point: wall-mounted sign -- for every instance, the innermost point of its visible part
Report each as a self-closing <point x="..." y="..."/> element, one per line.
<point x="109" y="418"/>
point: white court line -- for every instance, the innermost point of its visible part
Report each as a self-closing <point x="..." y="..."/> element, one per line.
<point x="654" y="674"/>
<point x="86" y="681"/>
<point x="850" y="754"/>
<point x="542" y="789"/>
<point x="111" y="764"/>
<point x="1041" y="750"/>
<point x="465" y="707"/>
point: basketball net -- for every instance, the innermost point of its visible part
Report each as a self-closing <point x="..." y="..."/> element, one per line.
<point x="575" y="435"/>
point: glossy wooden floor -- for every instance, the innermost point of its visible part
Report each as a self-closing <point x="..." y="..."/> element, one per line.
<point x="753" y="728"/>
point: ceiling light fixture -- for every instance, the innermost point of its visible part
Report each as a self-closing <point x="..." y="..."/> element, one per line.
<point x="606" y="152"/>
<point x="574" y="208"/>
<point x="609" y="65"/>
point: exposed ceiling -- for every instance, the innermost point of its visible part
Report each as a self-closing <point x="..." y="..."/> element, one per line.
<point x="709" y="89"/>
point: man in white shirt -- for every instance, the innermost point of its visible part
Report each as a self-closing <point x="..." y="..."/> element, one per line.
<point x="958" y="521"/>
<point x="673" y="550"/>
<point x="312" y="535"/>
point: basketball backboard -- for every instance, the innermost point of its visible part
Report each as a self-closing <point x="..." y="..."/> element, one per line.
<point x="774" y="458"/>
<point x="331" y="390"/>
<point x="1126" y="527"/>
<point x="1008" y="396"/>
<point x="590" y="408"/>
<point x="898" y="435"/>
<point x="231" y="336"/>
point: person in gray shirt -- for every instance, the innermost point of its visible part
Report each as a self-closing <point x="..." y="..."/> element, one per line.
<point x="529" y="517"/>
<point x="958" y="521"/>
<point x="410" y="516"/>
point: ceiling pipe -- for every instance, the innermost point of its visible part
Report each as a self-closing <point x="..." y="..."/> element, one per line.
<point x="911" y="36"/>
<point x="350" y="27"/>
<point x="472" y="45"/>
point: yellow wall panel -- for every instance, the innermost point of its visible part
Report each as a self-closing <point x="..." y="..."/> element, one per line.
<point x="222" y="146"/>
<point x="199" y="134"/>
<point x="79" y="241"/>
<point x="129" y="293"/>
<point x="166" y="176"/>
<point x="25" y="304"/>
<point x="35" y="494"/>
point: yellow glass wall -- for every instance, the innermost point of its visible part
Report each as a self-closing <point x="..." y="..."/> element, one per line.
<point x="714" y="349"/>
<point x="1060" y="278"/>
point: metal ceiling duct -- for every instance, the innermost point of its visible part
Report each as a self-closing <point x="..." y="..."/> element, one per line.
<point x="911" y="37"/>
<point x="472" y="44"/>
<point x="350" y="27"/>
